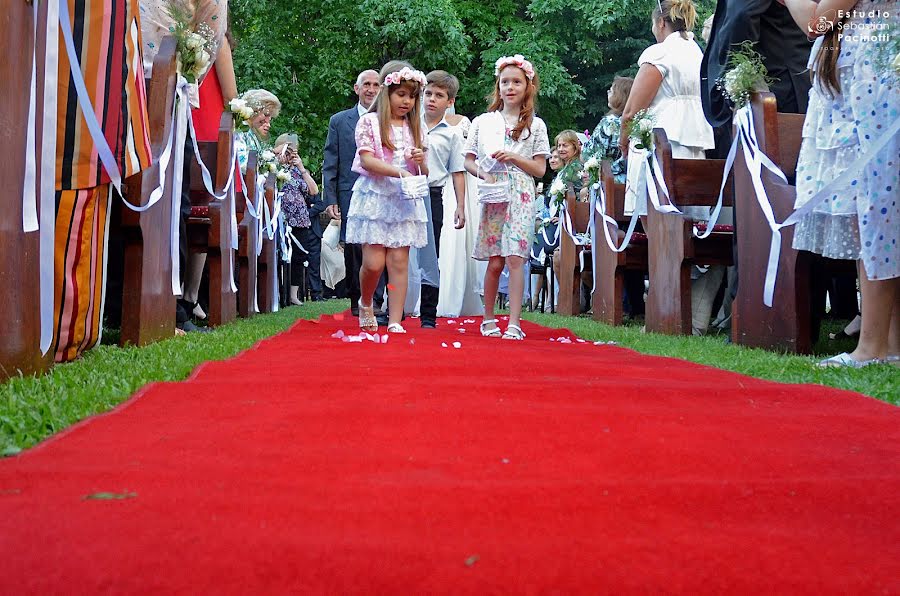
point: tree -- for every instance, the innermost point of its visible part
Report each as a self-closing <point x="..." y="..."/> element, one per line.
<point x="309" y="53"/>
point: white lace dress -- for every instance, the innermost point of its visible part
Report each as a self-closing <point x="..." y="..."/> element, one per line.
<point x="378" y="213"/>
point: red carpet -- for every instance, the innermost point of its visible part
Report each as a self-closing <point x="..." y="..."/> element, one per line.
<point x="311" y="465"/>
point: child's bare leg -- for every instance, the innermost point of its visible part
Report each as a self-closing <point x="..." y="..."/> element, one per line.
<point x="398" y="276"/>
<point x="370" y="271"/>
<point x="878" y="303"/>
<point x="516" y="287"/>
<point x="491" y="283"/>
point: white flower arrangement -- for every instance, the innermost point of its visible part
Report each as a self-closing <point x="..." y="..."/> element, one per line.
<point x="194" y="48"/>
<point x="746" y="74"/>
<point x="242" y="113"/>
<point x="640" y="130"/>
<point x="282" y="177"/>
<point x="592" y="167"/>
<point x="896" y="64"/>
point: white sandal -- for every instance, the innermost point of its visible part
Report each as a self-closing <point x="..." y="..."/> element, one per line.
<point x="844" y="359"/>
<point x="396" y="328"/>
<point x="495" y="332"/>
<point x="514" y="332"/>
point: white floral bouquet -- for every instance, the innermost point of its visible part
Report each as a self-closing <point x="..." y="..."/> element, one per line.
<point x="195" y="48"/>
<point x="745" y="74"/>
<point x="592" y="168"/>
<point x="282" y="177"/>
<point x="242" y="113"/>
<point x="640" y="130"/>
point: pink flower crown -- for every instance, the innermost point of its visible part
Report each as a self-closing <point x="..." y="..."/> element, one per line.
<point x="405" y="74"/>
<point x="517" y="60"/>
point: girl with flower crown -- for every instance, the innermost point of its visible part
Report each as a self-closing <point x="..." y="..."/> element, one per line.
<point x="507" y="147"/>
<point x="384" y="216"/>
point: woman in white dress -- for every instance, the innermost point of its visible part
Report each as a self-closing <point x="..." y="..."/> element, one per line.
<point x="461" y="275"/>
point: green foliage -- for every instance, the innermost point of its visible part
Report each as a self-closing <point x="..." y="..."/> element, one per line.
<point x="309" y="53"/>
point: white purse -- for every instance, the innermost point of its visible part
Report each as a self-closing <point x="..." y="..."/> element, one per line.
<point x="414" y="187"/>
<point x="491" y="193"/>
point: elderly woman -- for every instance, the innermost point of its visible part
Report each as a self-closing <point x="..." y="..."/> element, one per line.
<point x="300" y="206"/>
<point x="668" y="87"/>
<point x="265" y="108"/>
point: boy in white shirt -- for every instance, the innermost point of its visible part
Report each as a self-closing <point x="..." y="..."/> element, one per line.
<point x="445" y="162"/>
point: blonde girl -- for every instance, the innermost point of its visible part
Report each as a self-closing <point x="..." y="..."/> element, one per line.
<point x="389" y="146"/>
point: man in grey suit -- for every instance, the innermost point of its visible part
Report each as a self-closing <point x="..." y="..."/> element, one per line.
<point x="338" y="179"/>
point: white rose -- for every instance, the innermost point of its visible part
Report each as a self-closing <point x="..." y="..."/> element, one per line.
<point x="592" y="164"/>
<point x="896" y="63"/>
<point x="557" y="188"/>
<point x="267" y="156"/>
<point x="645" y="126"/>
<point x="283" y="175"/>
<point x="273" y="167"/>
<point x="246" y="112"/>
<point x="237" y="105"/>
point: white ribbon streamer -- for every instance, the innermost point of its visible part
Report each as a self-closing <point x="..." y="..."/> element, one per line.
<point x="756" y="160"/>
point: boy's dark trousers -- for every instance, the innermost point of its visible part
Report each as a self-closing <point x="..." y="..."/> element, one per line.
<point x="429" y="294"/>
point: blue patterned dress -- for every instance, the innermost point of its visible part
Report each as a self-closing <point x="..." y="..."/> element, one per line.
<point x="863" y="222"/>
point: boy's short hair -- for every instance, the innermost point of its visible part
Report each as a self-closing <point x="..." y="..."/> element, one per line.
<point x="444" y="80"/>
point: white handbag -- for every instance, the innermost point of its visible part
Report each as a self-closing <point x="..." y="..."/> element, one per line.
<point x="414" y="187"/>
<point x="491" y="192"/>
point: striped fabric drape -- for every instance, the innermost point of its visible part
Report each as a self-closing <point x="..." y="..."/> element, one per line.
<point x="107" y="37"/>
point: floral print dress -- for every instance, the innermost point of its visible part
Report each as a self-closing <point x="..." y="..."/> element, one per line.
<point x="507" y="229"/>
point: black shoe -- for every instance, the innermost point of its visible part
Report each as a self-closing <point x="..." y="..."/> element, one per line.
<point x="426" y="324"/>
<point x="189" y="327"/>
<point x="317" y="299"/>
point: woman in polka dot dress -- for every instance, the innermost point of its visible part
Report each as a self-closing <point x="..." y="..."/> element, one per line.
<point x="854" y="99"/>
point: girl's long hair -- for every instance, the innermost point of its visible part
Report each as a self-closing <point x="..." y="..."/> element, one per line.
<point x="526" y="114"/>
<point x="825" y="64"/>
<point x="382" y="105"/>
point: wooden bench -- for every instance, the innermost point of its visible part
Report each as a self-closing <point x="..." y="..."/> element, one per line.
<point x="609" y="285"/>
<point x="248" y="233"/>
<point x="672" y="247"/>
<point x="20" y="333"/>
<point x="209" y="227"/>
<point x="569" y="301"/>
<point x="786" y="325"/>
<point x="148" y="304"/>
<point x="267" y="269"/>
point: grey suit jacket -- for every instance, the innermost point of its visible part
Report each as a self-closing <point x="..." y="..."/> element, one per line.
<point x="340" y="149"/>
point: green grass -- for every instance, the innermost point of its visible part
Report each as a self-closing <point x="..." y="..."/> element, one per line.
<point x="881" y="382"/>
<point x="32" y="409"/>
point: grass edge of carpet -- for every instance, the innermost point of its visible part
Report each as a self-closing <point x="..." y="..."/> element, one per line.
<point x="34" y="408"/>
<point x="881" y="382"/>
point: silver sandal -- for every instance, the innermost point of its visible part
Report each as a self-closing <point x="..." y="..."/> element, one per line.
<point x="495" y="332"/>
<point x="514" y="332"/>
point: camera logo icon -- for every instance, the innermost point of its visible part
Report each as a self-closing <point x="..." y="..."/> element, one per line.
<point x="820" y="26"/>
